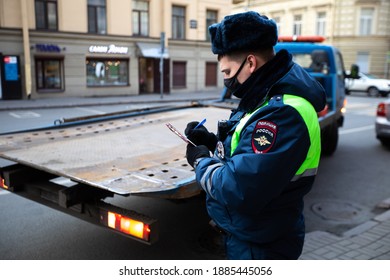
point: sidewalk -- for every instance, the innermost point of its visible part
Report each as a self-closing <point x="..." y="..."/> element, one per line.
<point x="63" y="102"/>
<point x="368" y="241"/>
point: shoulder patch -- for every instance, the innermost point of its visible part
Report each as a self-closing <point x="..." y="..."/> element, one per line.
<point x="263" y="137"/>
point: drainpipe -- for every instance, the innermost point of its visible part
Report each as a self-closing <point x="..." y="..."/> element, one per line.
<point x="26" y="48"/>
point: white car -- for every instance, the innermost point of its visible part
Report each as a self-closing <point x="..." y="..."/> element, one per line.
<point x="382" y="122"/>
<point x="368" y="83"/>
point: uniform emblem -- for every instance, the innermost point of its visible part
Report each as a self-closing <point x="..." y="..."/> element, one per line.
<point x="263" y="137"/>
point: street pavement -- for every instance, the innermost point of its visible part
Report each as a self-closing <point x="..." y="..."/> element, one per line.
<point x="368" y="241"/>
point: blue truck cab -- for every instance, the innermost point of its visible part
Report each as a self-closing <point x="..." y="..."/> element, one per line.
<point x="325" y="63"/>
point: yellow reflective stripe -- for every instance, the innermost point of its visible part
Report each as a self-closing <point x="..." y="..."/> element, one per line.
<point x="239" y="127"/>
<point x="309" y="115"/>
<point x="237" y="132"/>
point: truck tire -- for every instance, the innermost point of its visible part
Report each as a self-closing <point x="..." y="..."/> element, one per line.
<point x="385" y="142"/>
<point x="329" y="139"/>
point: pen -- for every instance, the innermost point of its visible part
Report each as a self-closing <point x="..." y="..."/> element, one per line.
<point x="199" y="124"/>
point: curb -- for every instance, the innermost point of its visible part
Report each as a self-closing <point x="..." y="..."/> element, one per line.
<point x="69" y="105"/>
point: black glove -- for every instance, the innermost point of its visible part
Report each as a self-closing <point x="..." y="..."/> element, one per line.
<point x="193" y="153"/>
<point x="201" y="136"/>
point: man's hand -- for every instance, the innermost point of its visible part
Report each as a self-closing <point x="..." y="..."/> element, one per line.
<point x="201" y="136"/>
<point x="193" y="153"/>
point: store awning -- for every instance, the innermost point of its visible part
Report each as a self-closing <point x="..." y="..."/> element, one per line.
<point x="151" y="50"/>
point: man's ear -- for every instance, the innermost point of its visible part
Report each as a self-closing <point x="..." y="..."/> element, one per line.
<point x="252" y="63"/>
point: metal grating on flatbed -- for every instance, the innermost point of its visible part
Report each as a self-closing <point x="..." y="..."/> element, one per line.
<point x="136" y="155"/>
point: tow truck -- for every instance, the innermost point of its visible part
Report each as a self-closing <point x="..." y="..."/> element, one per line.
<point x="74" y="166"/>
<point x="325" y="64"/>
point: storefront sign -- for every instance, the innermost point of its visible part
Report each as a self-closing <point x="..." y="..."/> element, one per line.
<point x="111" y="49"/>
<point x="11" y="68"/>
<point x="47" y="48"/>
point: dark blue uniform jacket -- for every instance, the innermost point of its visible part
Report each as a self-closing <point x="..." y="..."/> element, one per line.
<point x="251" y="195"/>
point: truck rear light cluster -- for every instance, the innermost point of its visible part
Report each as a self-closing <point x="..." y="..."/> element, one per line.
<point x="2" y="183"/>
<point x="344" y="108"/>
<point x="381" y="110"/>
<point x="126" y="225"/>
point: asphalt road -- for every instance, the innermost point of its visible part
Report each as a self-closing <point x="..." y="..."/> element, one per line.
<point x="348" y="187"/>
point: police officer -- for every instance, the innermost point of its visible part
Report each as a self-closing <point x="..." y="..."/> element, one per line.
<point x="264" y="159"/>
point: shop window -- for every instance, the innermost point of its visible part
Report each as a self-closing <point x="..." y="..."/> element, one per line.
<point x="179" y="74"/>
<point x="97" y="19"/>
<point x="46" y="14"/>
<point x="107" y="72"/>
<point x="49" y="74"/>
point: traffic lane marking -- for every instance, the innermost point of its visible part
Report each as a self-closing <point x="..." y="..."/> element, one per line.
<point x="93" y="111"/>
<point x="24" y="115"/>
<point x="357" y="129"/>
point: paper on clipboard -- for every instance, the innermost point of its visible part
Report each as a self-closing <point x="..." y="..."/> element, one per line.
<point x="181" y="136"/>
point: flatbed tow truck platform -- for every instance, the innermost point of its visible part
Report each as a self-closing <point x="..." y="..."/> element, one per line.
<point x="74" y="167"/>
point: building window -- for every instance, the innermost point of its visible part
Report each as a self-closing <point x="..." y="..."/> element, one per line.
<point x="179" y="74"/>
<point x="211" y="74"/>
<point x="277" y="21"/>
<point x="211" y="18"/>
<point x="363" y="60"/>
<point x="46" y="14"/>
<point x="97" y="20"/>
<point x="366" y="18"/>
<point x="140" y="18"/>
<point x="297" y="25"/>
<point x="178" y="22"/>
<point x="49" y="74"/>
<point x="321" y="24"/>
<point x="107" y="72"/>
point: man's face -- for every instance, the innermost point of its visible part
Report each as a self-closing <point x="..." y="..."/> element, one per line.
<point x="230" y="66"/>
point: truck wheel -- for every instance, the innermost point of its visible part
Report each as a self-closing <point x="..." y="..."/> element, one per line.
<point x="385" y="142"/>
<point x="329" y="139"/>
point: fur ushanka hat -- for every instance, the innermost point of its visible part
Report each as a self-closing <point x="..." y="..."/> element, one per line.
<point x="247" y="31"/>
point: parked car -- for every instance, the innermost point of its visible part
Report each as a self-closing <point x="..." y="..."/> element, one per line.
<point x="382" y="122"/>
<point x="368" y="83"/>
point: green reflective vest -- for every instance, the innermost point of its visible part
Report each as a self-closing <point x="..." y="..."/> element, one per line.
<point x="309" y="115"/>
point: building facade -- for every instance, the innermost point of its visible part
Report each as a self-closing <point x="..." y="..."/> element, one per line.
<point x="359" y="28"/>
<point x="52" y="48"/>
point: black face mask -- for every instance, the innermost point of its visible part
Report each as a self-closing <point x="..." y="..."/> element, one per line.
<point x="232" y="83"/>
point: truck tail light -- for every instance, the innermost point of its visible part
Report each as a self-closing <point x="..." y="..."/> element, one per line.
<point x="381" y="110"/>
<point x="344" y="109"/>
<point x="129" y="226"/>
<point x="324" y="111"/>
<point x="2" y="184"/>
